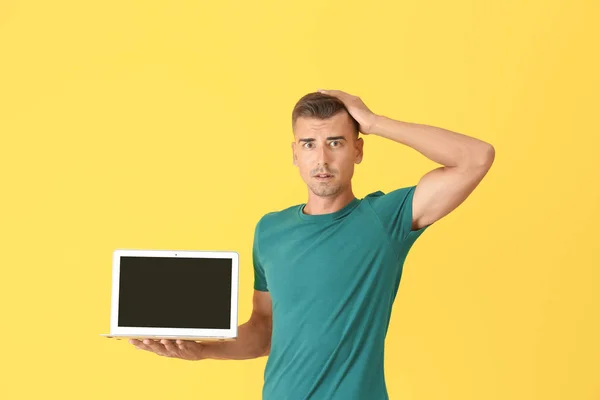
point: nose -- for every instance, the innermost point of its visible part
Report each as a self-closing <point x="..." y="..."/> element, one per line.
<point x="323" y="156"/>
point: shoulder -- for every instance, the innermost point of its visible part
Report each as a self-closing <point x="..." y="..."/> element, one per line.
<point x="394" y="196"/>
<point x="276" y="218"/>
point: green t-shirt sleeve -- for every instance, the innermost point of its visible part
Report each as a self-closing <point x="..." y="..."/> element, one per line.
<point x="260" y="281"/>
<point x="395" y="211"/>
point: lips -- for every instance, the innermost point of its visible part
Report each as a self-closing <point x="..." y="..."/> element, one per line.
<point x="323" y="176"/>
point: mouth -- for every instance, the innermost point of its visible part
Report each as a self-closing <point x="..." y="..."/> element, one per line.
<point x="323" y="176"/>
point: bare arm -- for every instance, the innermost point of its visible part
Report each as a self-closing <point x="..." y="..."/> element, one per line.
<point x="465" y="159"/>
<point x="254" y="337"/>
<point x="253" y="341"/>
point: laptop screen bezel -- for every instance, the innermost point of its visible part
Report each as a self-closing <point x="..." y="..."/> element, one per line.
<point x="115" y="329"/>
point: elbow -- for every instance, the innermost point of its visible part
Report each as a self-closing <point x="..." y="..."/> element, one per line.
<point x="267" y="350"/>
<point x="264" y="349"/>
<point x="483" y="158"/>
<point x="490" y="155"/>
<point x="263" y="328"/>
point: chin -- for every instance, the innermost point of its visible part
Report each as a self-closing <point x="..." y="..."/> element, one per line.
<point x="326" y="191"/>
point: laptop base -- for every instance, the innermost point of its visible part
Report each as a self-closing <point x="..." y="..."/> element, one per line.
<point x="159" y="337"/>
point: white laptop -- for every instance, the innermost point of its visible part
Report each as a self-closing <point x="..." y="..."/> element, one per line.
<point x="173" y="294"/>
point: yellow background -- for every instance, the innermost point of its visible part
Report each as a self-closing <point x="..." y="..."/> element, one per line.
<point x="166" y="125"/>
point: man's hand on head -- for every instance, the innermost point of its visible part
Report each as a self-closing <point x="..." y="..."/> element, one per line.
<point x="357" y="109"/>
<point x="183" y="349"/>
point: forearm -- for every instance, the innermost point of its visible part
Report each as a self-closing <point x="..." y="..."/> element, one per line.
<point x="440" y="145"/>
<point x="254" y="340"/>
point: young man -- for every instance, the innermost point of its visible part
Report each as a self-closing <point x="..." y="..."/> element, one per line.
<point x="327" y="272"/>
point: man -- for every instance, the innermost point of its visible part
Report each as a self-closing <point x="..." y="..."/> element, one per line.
<point x="327" y="272"/>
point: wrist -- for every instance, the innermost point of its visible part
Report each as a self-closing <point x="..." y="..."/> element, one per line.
<point x="375" y="126"/>
<point x="211" y="351"/>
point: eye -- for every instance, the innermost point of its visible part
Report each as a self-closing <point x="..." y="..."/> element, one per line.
<point x="306" y="144"/>
<point x="334" y="141"/>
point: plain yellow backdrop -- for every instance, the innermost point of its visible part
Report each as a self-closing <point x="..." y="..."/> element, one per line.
<point x="166" y="125"/>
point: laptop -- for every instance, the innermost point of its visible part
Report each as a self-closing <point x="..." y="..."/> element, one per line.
<point x="174" y="294"/>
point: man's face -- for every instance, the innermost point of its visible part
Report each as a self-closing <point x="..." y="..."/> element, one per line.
<point x="326" y="147"/>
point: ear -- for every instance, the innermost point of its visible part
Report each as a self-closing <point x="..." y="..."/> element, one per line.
<point x="359" y="150"/>
<point x="294" y="159"/>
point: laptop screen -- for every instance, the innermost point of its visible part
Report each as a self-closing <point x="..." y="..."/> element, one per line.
<point x="175" y="292"/>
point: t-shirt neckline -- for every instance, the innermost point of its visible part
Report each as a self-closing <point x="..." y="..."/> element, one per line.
<point x="330" y="216"/>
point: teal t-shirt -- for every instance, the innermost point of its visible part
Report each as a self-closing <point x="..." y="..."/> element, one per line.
<point x="333" y="279"/>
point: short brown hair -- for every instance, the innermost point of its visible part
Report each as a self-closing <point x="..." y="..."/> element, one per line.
<point x="321" y="106"/>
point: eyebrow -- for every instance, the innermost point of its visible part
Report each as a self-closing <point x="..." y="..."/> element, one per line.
<point x="329" y="138"/>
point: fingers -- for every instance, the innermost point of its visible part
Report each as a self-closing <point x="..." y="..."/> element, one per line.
<point x="333" y="92"/>
<point x="170" y="347"/>
<point x="191" y="350"/>
<point x="159" y="347"/>
<point x="162" y="348"/>
<point x="187" y="345"/>
<point x="139" y="344"/>
<point x="184" y="349"/>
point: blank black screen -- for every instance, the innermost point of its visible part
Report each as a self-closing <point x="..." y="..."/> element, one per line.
<point x="175" y="292"/>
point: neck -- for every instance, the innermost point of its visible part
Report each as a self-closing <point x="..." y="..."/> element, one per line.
<point x="317" y="205"/>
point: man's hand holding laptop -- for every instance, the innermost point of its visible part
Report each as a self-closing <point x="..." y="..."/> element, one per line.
<point x="184" y="349"/>
<point x="253" y="340"/>
<point x="186" y="305"/>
